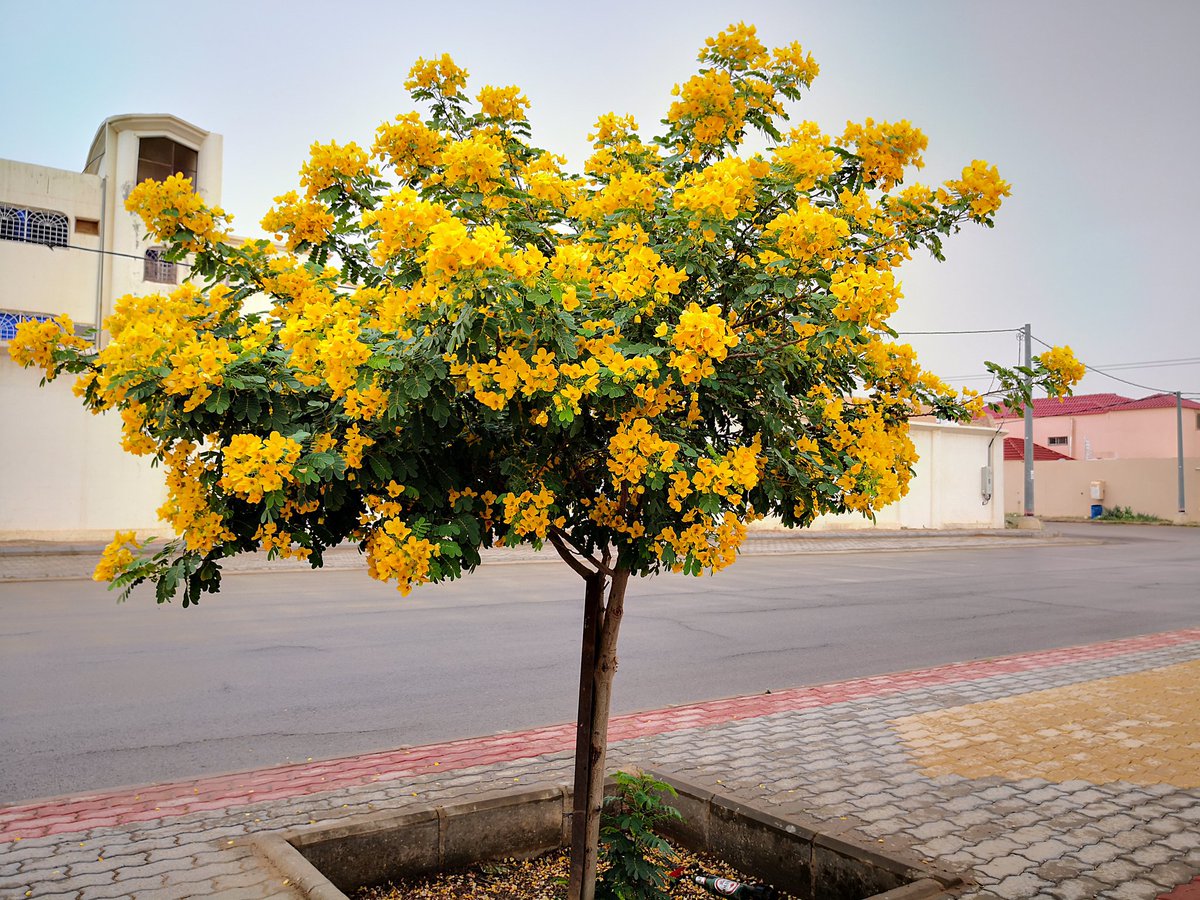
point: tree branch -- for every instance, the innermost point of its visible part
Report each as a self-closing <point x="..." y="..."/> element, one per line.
<point x="560" y="539"/>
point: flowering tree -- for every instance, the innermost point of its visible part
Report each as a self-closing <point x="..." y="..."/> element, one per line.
<point x="455" y="345"/>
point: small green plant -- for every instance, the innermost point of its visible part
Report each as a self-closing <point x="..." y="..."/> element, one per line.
<point x="1126" y="514"/>
<point x="637" y="858"/>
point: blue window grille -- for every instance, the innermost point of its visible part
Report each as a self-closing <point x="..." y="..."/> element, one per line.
<point x="9" y="321"/>
<point x="33" y="226"/>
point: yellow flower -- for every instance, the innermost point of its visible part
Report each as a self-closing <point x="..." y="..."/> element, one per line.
<point x="329" y="164"/>
<point x="886" y="149"/>
<point x="438" y="75"/>
<point x="169" y="207"/>
<point x="1063" y="369"/>
<point x="253" y="467"/>
<point x="305" y="221"/>
<point x="116" y="556"/>
<point x="507" y="103"/>
<point x="982" y="186"/>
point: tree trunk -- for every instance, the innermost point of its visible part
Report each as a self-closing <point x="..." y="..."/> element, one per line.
<point x="592" y="729"/>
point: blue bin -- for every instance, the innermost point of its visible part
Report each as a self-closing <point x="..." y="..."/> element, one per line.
<point x="1097" y="510"/>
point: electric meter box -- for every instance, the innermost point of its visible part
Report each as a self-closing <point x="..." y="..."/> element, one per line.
<point x="1097" y="490"/>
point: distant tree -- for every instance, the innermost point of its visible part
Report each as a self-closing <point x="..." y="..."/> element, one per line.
<point x="466" y="347"/>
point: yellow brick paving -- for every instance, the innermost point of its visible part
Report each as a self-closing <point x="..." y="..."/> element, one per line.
<point x="1142" y="728"/>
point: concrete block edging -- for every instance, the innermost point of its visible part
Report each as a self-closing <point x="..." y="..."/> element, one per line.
<point x="322" y="861"/>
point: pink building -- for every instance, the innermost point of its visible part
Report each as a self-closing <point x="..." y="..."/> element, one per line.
<point x="1109" y="426"/>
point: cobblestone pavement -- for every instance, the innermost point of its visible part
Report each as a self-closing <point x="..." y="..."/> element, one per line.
<point x="1065" y="774"/>
<point x="43" y="561"/>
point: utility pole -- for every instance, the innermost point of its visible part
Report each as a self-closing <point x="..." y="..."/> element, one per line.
<point x="1179" y="438"/>
<point x="1028" y="339"/>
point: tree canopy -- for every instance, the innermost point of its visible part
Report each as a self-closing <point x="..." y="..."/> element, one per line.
<point x="453" y="343"/>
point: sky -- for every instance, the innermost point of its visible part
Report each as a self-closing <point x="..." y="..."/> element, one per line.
<point x="1088" y="107"/>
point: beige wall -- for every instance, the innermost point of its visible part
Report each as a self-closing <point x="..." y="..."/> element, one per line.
<point x="945" y="489"/>
<point x="65" y="474"/>
<point x="1063" y="487"/>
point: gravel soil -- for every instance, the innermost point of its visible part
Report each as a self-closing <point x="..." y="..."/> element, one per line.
<point x="541" y="878"/>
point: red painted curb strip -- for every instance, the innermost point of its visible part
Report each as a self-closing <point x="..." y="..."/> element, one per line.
<point x="162" y="801"/>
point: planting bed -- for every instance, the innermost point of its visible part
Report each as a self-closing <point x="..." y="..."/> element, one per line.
<point x="801" y="857"/>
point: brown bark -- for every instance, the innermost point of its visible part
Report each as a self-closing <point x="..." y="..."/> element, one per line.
<point x="586" y="835"/>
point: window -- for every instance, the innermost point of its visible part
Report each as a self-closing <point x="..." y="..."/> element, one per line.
<point x="1057" y="442"/>
<point x="155" y="268"/>
<point x="1198" y="421"/>
<point x="160" y="158"/>
<point x="33" y="226"/>
<point x="87" y="226"/>
<point x="10" y="319"/>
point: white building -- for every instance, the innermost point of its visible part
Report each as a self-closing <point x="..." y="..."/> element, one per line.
<point x="67" y="245"/>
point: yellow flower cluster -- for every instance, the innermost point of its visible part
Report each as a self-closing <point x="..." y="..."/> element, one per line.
<point x="701" y="337"/>
<point x="404" y="222"/>
<point x="475" y="161"/>
<point x="793" y="63"/>
<point x="368" y="404"/>
<point x="252" y="467"/>
<point x="982" y="185"/>
<point x="804" y="159"/>
<point x="354" y="445"/>
<point x="737" y="46"/>
<point x="280" y="543"/>
<point x="724" y="189"/>
<point x="505" y="103"/>
<point x="187" y="508"/>
<point x="640" y="273"/>
<point x="712" y="541"/>
<point x="408" y="145"/>
<point x="865" y="296"/>
<point x="1065" y="370"/>
<point x="35" y="342"/>
<point x="808" y="234"/>
<point x="322" y="332"/>
<point x="439" y="75"/>
<point x="395" y="553"/>
<point x="453" y="249"/>
<point x="708" y="106"/>
<point x="330" y="164"/>
<point x="636" y="451"/>
<point x="304" y="221"/>
<point x="528" y="513"/>
<point x="116" y="556"/>
<point x="197" y="367"/>
<point x="627" y="192"/>
<point x="886" y="148"/>
<point x="167" y="207"/>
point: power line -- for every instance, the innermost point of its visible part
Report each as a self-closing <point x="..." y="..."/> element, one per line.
<point x="976" y="331"/>
<point x="1144" y="387"/>
<point x="104" y="252"/>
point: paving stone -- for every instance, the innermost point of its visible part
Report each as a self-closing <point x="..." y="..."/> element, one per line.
<point x="1137" y="889"/>
<point x="1172" y="873"/>
<point x="1003" y="867"/>
<point x="1019" y="887"/>
<point x="1045" y="851"/>
<point x="1097" y="853"/>
<point x="1114" y="872"/>
<point x="1058" y="870"/>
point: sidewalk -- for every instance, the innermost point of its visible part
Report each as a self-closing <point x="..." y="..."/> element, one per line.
<point x="46" y="560"/>
<point x="1071" y="774"/>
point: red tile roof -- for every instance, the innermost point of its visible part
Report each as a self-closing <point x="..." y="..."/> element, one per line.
<point x="1014" y="448"/>
<point x="1095" y="404"/>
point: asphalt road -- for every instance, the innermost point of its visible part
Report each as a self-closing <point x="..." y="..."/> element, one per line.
<point x="284" y="667"/>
